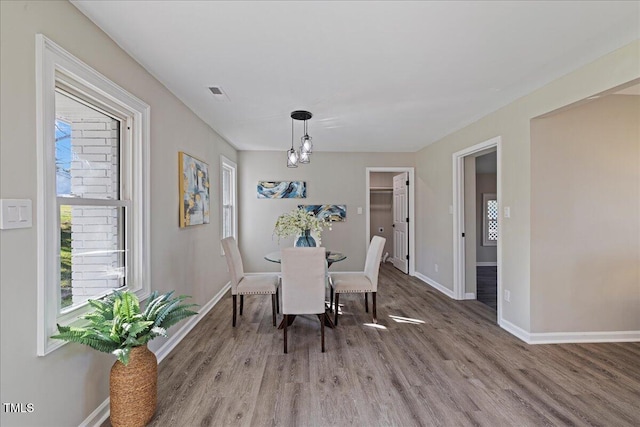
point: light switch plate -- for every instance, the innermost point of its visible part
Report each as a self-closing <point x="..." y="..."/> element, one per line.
<point x="15" y="213"/>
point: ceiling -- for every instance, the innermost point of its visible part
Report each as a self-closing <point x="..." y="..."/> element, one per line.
<point x="377" y="76"/>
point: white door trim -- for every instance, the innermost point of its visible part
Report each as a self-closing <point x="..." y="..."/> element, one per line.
<point x="412" y="198"/>
<point x="400" y="209"/>
<point x="458" y="216"/>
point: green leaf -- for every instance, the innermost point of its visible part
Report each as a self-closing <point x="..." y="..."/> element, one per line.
<point x="164" y="311"/>
<point x="150" y="300"/>
<point x="93" y="341"/>
<point x="135" y="328"/>
<point x="176" y="316"/>
<point x="123" y="355"/>
<point x="155" y="304"/>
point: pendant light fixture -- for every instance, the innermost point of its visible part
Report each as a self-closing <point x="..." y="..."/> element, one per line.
<point x="303" y="156"/>
<point x="306" y="146"/>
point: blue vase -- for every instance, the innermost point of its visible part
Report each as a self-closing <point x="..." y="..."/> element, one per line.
<point x="305" y="240"/>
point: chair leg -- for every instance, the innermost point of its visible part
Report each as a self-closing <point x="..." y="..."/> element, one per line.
<point x="373" y="297"/>
<point x="273" y="308"/>
<point x="335" y="321"/>
<point x="322" y="329"/>
<point x="277" y="301"/>
<point x="330" y="299"/>
<point x="234" y="298"/>
<point x="366" y="302"/>
<point x="241" y="303"/>
<point x="286" y="320"/>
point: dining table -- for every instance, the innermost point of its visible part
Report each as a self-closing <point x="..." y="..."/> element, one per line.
<point x="332" y="257"/>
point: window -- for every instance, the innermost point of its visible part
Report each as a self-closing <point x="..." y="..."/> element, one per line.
<point x="93" y="190"/>
<point x="489" y="219"/>
<point x="229" y="196"/>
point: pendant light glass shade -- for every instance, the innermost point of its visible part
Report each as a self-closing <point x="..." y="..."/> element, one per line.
<point x="292" y="158"/>
<point x="292" y="155"/>
<point x="306" y="145"/>
<point x="304" y="157"/>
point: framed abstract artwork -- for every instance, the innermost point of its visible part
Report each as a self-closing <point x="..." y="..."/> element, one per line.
<point x="333" y="213"/>
<point x="194" y="190"/>
<point x="282" y="189"/>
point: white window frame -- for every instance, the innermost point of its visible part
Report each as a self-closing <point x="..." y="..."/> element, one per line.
<point x="230" y="165"/>
<point x="55" y="66"/>
<point x="485" y="220"/>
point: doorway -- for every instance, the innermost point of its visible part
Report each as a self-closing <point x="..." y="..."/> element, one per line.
<point x="390" y="212"/>
<point x="481" y="228"/>
<point x="477" y="223"/>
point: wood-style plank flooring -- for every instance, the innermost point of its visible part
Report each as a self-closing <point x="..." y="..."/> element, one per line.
<point x="431" y="361"/>
<point x="487" y="286"/>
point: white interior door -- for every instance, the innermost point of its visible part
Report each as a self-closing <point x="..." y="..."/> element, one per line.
<point x="400" y="222"/>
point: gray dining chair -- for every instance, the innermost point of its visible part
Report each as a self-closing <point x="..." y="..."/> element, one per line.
<point x="360" y="282"/>
<point x="303" y="285"/>
<point x="241" y="284"/>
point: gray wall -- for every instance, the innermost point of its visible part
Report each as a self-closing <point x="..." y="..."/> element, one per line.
<point x="585" y="206"/>
<point x="68" y="384"/>
<point x="332" y="178"/>
<point x="512" y="123"/>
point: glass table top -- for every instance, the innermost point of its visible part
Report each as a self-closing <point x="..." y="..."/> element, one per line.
<point x="332" y="256"/>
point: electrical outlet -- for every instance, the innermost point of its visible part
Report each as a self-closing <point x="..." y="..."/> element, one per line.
<point x="380" y="229"/>
<point x="507" y="295"/>
<point x="436" y="267"/>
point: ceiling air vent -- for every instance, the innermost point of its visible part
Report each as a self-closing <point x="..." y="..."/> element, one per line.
<point x="218" y="93"/>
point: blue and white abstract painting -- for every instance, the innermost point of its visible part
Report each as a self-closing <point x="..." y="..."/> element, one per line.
<point x="282" y="190"/>
<point x="333" y="213"/>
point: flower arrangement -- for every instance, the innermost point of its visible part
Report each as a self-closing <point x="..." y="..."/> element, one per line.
<point x="298" y="221"/>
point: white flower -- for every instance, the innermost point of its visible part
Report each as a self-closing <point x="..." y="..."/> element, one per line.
<point x="298" y="221"/>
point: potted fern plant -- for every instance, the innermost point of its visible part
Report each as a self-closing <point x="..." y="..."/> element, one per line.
<point x="119" y="326"/>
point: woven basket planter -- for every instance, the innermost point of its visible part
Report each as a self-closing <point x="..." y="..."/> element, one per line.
<point x="134" y="389"/>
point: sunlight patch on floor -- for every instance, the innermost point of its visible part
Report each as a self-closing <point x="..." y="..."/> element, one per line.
<point x="375" y="325"/>
<point x="400" y="319"/>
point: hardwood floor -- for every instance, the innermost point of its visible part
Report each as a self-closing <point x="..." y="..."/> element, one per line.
<point x="438" y="362"/>
<point x="487" y="286"/>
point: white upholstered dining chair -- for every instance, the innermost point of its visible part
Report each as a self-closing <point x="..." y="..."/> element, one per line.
<point x="241" y="284"/>
<point x="365" y="282"/>
<point x="303" y="285"/>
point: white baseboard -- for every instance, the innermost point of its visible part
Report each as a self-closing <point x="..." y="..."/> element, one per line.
<point x="583" y="337"/>
<point x="97" y="417"/>
<point x="101" y="413"/>
<point x="486" y="264"/>
<point x="448" y="292"/>
<point x="569" y="337"/>
<point x="514" y="330"/>
<point x="470" y="295"/>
